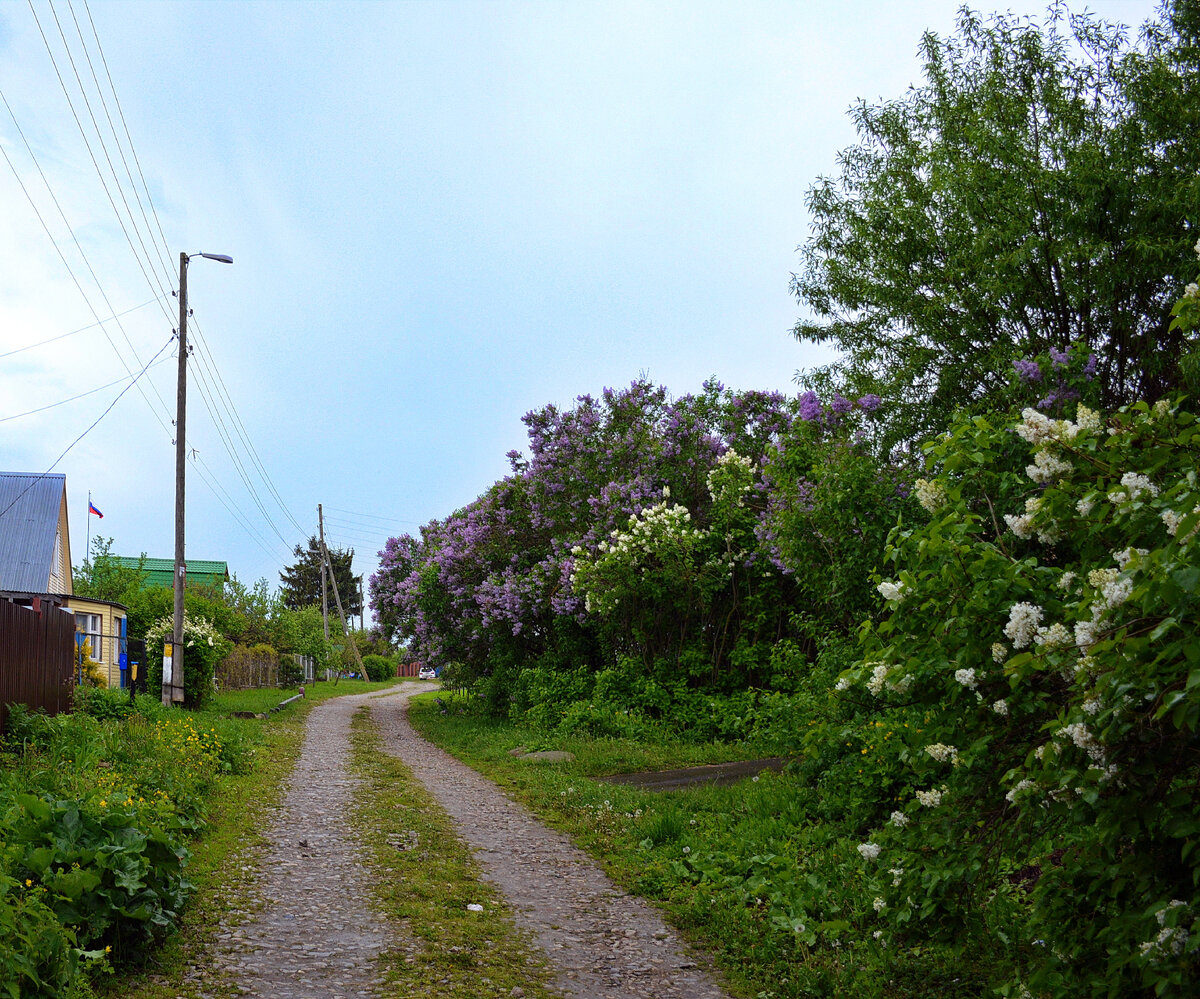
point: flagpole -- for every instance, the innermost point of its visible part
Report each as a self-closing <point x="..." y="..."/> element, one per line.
<point x="87" y="553"/>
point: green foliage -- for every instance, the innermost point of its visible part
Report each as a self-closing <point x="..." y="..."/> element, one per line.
<point x="108" y="873"/>
<point x="302" y="580"/>
<point x="1032" y="192"/>
<point x="203" y="649"/>
<point x="379" y="667"/>
<point x="39" y="958"/>
<point x="104" y="577"/>
<point x="1037" y="680"/>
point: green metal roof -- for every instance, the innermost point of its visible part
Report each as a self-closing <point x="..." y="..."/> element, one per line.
<point x="161" y="571"/>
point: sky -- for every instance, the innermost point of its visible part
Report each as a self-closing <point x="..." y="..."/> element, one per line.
<point x="442" y="215"/>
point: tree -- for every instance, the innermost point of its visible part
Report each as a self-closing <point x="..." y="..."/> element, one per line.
<point x="104" y="577"/>
<point x="1033" y="193"/>
<point x="302" y="581"/>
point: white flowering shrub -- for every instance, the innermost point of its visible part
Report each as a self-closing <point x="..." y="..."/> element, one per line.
<point x="204" y="649"/>
<point x="1046" y="751"/>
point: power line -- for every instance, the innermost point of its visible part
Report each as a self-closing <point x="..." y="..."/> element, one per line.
<point x="83" y="134"/>
<point x="372" y="516"/>
<point x="63" y="402"/>
<point x="107" y="410"/>
<point x="82" y="329"/>
<point x="124" y="124"/>
<point x="66" y="264"/>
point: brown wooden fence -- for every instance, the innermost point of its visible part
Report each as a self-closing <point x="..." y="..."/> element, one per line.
<point x="37" y="658"/>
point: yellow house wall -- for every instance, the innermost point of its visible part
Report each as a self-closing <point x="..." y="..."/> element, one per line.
<point x="110" y="627"/>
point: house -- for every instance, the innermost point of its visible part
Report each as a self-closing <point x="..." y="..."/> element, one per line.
<point x="161" y="571"/>
<point x="35" y="568"/>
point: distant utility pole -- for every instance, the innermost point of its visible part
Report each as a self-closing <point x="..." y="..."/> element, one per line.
<point x="325" y="562"/>
<point x="324" y="592"/>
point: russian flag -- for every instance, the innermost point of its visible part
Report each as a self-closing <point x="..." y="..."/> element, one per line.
<point x="92" y="509"/>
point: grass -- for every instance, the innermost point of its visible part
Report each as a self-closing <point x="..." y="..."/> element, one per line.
<point x="424" y="877"/>
<point x="745" y="871"/>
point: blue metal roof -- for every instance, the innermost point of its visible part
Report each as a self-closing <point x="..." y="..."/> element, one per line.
<point x="29" y="506"/>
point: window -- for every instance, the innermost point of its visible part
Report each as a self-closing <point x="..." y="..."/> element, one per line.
<point x="87" y="628"/>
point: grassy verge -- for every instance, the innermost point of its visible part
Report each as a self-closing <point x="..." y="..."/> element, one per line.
<point x="424" y="880"/>
<point x="750" y="873"/>
<point x="225" y="856"/>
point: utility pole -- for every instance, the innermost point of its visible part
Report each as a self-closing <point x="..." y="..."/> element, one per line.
<point x="324" y="592"/>
<point x="172" y="681"/>
<point x="325" y="562"/>
<point x="172" y="686"/>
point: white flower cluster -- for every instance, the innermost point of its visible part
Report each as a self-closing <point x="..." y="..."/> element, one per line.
<point x="1022" y="524"/>
<point x="1047" y="467"/>
<point x="1057" y="636"/>
<point x="1123" y="558"/>
<point x="930" y="799"/>
<point x="878" y="676"/>
<point x="739" y="482"/>
<point x="1065" y="580"/>
<point x="931" y="495"/>
<point x="966" y="677"/>
<point x="1000" y="707"/>
<point x="1170" y="939"/>
<point x="943" y="753"/>
<point x="999" y="652"/>
<point x="1022" y="785"/>
<point x="1133" y="487"/>
<point x="892" y="591"/>
<point x="897" y="874"/>
<point x="870" y="851"/>
<point x="1023" y="621"/>
<point x="1173" y="520"/>
<point x="879" y="904"/>
<point x="898" y="819"/>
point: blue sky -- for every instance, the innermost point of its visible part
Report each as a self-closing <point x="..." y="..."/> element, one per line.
<point x="442" y="216"/>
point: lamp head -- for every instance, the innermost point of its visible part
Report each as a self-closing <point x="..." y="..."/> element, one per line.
<point x="223" y="258"/>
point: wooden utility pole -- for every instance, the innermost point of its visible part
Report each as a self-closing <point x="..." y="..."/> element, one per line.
<point x="325" y="562"/>
<point x="172" y="684"/>
<point x="324" y="592"/>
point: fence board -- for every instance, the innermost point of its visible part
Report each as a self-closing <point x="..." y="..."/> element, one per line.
<point x="37" y="658"/>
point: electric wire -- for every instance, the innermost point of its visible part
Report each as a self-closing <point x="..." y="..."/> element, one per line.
<point x="129" y="138"/>
<point x="117" y="141"/>
<point x="240" y="428"/>
<point x="67" y="265"/>
<point x="63" y="402"/>
<point x="374" y="516"/>
<point x="209" y="478"/>
<point x="82" y="329"/>
<point x="83" y="134"/>
<point x="94" y="423"/>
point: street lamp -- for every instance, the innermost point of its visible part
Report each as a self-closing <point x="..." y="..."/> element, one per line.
<point x="172" y="684"/>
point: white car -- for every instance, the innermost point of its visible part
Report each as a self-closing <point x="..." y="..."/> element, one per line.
<point x="427" y="673"/>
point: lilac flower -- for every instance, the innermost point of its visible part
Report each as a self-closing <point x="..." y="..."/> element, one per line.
<point x="810" y="406"/>
<point x="1060" y="357"/>
<point x="869" y="402"/>
<point x="1028" y="371"/>
<point x="841" y="404"/>
<point x="1089" y="369"/>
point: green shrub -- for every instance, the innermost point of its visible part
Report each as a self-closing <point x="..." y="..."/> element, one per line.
<point x="38" y="956"/>
<point x="103" y="702"/>
<point x="379" y="667"/>
<point x="111" y="872"/>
